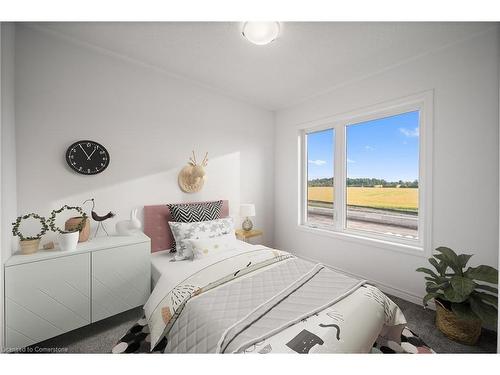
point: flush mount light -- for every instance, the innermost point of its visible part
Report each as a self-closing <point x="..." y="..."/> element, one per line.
<point x="261" y="33"/>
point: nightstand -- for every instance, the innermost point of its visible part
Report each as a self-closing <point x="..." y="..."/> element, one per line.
<point x="245" y="235"/>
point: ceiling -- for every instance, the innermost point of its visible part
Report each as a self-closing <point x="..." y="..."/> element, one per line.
<point x="307" y="59"/>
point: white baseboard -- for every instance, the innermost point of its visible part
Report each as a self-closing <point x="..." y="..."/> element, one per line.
<point x="407" y="296"/>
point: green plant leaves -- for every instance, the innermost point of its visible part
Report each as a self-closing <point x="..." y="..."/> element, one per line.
<point x="450" y="257"/>
<point x="428" y="271"/>
<point x="463" y="259"/>
<point x="17" y="223"/>
<point x="483" y="273"/>
<point x="428" y="297"/>
<point x="460" y="289"/>
<point x="462" y="286"/>
<point x="486" y="297"/>
<point x="431" y="286"/>
<point x="52" y="220"/>
<point x="487" y="288"/>
<point x="439" y="266"/>
<point x="452" y="295"/>
<point x="484" y="311"/>
<point x="463" y="311"/>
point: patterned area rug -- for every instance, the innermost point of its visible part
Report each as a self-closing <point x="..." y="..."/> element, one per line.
<point x="137" y="340"/>
<point x="410" y="344"/>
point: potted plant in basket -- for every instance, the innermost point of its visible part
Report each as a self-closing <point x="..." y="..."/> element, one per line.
<point x="68" y="238"/>
<point x="465" y="298"/>
<point x="29" y="244"/>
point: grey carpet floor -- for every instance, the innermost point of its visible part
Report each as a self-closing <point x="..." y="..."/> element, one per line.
<point x="421" y="321"/>
<point x="100" y="337"/>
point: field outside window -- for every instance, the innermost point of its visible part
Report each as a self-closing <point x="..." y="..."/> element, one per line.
<point x="320" y="161"/>
<point x="382" y="175"/>
<point x="380" y="178"/>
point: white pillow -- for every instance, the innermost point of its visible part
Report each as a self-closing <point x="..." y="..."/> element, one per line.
<point x="198" y="230"/>
<point x="209" y="246"/>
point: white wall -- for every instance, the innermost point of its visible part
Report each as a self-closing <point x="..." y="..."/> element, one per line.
<point x="148" y="121"/>
<point x="7" y="150"/>
<point x="465" y="166"/>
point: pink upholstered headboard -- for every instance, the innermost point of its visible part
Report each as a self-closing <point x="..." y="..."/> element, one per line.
<point x="156" y="226"/>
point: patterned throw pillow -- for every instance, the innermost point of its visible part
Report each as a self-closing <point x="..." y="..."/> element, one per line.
<point x="210" y="246"/>
<point x="192" y="212"/>
<point x="198" y="230"/>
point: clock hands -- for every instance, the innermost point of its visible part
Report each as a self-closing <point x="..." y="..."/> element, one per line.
<point x="89" y="156"/>
<point x="84" y="152"/>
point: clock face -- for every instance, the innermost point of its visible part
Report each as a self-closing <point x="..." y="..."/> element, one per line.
<point x="87" y="157"/>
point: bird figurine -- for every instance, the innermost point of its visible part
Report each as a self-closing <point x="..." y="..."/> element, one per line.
<point x="99" y="218"/>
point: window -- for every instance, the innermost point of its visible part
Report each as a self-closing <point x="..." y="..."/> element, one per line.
<point x="382" y="175"/>
<point x="364" y="174"/>
<point x="320" y="155"/>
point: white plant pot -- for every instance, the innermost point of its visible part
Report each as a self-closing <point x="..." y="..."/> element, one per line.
<point x="68" y="241"/>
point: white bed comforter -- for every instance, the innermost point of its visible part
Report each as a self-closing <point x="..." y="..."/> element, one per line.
<point x="258" y="300"/>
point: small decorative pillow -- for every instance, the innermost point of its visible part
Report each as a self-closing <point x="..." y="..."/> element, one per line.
<point x="192" y="212"/>
<point x="209" y="246"/>
<point x="198" y="230"/>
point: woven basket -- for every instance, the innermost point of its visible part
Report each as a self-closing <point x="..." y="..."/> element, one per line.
<point x="461" y="330"/>
<point x="29" y="246"/>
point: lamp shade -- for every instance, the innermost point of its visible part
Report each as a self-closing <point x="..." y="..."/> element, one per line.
<point x="247" y="210"/>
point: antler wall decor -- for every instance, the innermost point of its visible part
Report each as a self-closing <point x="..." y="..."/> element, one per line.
<point x="192" y="176"/>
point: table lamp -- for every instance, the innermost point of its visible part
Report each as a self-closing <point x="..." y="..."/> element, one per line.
<point x="246" y="211"/>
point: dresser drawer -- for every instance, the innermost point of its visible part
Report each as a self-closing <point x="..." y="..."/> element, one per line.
<point x="46" y="298"/>
<point x="120" y="279"/>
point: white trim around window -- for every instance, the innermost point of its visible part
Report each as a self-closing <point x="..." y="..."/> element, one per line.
<point x="422" y="102"/>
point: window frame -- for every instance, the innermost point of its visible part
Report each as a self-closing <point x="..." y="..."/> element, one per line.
<point x="423" y="103"/>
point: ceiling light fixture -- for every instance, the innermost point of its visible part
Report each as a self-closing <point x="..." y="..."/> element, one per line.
<point x="261" y="33"/>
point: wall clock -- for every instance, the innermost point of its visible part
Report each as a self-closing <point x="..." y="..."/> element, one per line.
<point x="87" y="157"/>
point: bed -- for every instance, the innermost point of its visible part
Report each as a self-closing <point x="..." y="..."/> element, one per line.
<point x="162" y="263"/>
<point x="156" y="218"/>
<point x="254" y="299"/>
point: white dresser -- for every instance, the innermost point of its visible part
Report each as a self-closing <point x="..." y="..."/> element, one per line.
<point x="52" y="292"/>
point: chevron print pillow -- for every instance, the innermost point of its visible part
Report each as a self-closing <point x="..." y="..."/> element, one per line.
<point x="194" y="212"/>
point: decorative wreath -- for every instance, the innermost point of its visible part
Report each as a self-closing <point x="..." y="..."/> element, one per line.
<point x="52" y="219"/>
<point x="17" y="223"/>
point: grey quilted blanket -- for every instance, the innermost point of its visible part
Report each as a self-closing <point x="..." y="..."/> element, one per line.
<point x="267" y="301"/>
<point x="234" y="316"/>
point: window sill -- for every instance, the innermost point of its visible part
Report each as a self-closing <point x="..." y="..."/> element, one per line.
<point x="414" y="250"/>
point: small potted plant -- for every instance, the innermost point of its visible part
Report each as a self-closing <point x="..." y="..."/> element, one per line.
<point x="465" y="298"/>
<point x="29" y="244"/>
<point x="68" y="238"/>
<point x="73" y="223"/>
